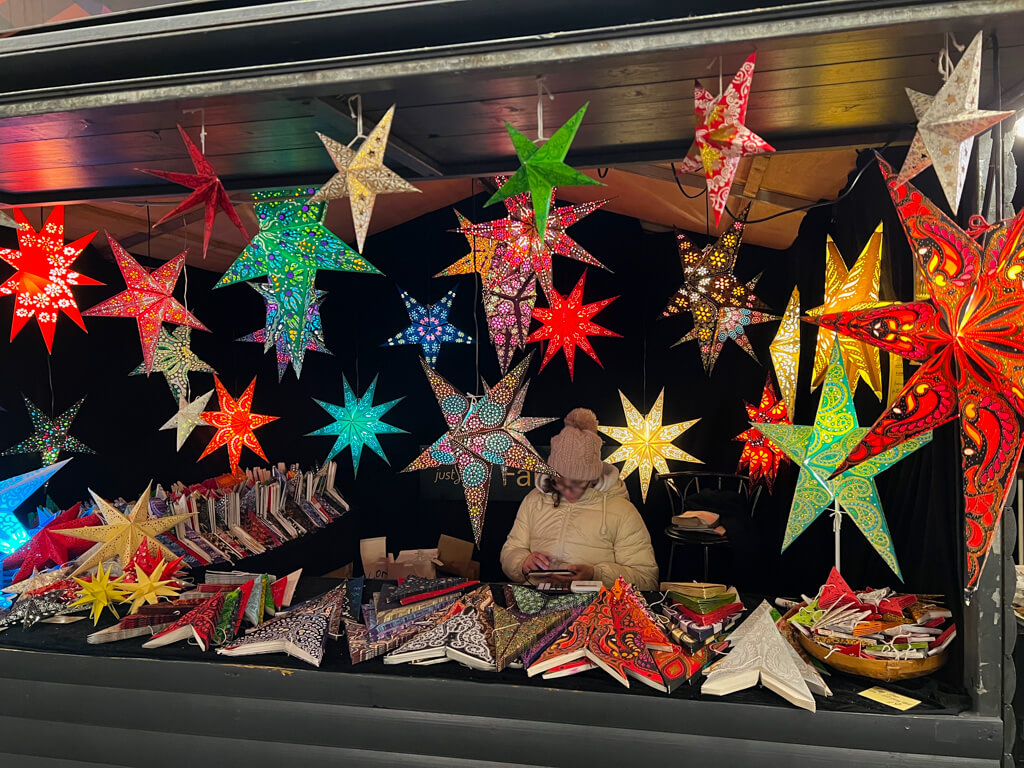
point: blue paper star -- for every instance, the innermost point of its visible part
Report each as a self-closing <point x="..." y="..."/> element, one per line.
<point x="13" y="493"/>
<point x="430" y="327"/>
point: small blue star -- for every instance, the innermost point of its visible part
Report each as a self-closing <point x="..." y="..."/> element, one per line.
<point x="430" y="327"/>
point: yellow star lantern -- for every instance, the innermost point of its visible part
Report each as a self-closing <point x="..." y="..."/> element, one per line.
<point x="150" y="587"/>
<point x="122" y="535"/>
<point x="100" y="592"/>
<point x="646" y="443"/>
<point x="846" y="291"/>
<point x="785" y="352"/>
<point x="482" y="251"/>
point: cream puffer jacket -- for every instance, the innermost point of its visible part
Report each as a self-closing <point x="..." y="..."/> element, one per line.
<point x="602" y="529"/>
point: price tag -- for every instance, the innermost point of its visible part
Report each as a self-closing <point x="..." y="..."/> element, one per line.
<point x="890" y="699"/>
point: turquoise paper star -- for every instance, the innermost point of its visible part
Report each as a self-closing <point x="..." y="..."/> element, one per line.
<point x="13" y="493"/>
<point x="50" y="436"/>
<point x="430" y="327"/>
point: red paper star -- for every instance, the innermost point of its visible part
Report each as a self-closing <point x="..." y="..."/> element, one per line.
<point x="235" y="424"/>
<point x="208" y="189"/>
<point x="148" y="298"/>
<point x="760" y="456"/>
<point x="567" y="323"/>
<point x="147" y="559"/>
<point x="43" y="281"/>
<point x="49" y="546"/>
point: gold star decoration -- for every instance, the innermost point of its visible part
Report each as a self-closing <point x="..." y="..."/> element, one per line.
<point x="482" y="252"/>
<point x="646" y="443"/>
<point x="149" y="587"/>
<point x="100" y="592"/>
<point x="785" y="352"/>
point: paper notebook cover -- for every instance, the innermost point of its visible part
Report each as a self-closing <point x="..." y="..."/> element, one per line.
<point x="677" y="666"/>
<point x="616" y="643"/>
<point x="413" y="586"/>
<point x="572" y="645"/>
<point x="692" y="588"/>
<point x="571" y="668"/>
<point x="631" y="614"/>
<point x="302" y="635"/>
<point x="198" y="624"/>
<point x="529" y="600"/>
<point x="532" y="653"/>
<point x="515" y="632"/>
<point x="703" y="605"/>
<point x="361" y="647"/>
<point x="283" y="589"/>
<point x="469" y="642"/>
<point x="714" y="617"/>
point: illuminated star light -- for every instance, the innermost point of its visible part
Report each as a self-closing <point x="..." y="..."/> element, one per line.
<point x="430" y="327"/>
<point x="13" y="493"/>
<point x="785" y="352"/>
<point x="188" y="417"/>
<point x="760" y="456"/>
<point x="175" y="359"/>
<point x="235" y="424"/>
<point x="50" y="436"/>
<point x="48" y="547"/>
<point x="482" y="253"/>
<point x="293" y="326"/>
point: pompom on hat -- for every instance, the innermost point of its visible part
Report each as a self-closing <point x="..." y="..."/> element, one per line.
<point x="576" y="450"/>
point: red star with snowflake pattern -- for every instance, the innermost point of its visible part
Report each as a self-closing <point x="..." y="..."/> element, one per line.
<point x="761" y="457"/>
<point x="235" y="424"/>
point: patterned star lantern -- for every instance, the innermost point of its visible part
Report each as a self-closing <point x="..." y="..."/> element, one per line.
<point x="482" y="252"/>
<point x="50" y="436"/>
<point x="42" y="284"/>
<point x="721" y="138"/>
<point x="970" y="344"/>
<point x="722" y="307"/>
<point x="357" y="423"/>
<point x="760" y="456"/>
<point x="509" y="299"/>
<point x="207" y="190"/>
<point x="99" y="591"/>
<point x="479" y="437"/>
<point x="567" y="323"/>
<point x="149" y="586"/>
<point x="429" y="327"/>
<point x="235" y="423"/>
<point x="646" y="443"/>
<point x="13" y="493"/>
<point x="785" y="352"/>
<point x="148" y="297"/>
<point x="824" y="478"/>
<point x="293" y="326"/>
<point x="188" y="417"/>
<point x="175" y="359"/>
<point x="49" y="547"/>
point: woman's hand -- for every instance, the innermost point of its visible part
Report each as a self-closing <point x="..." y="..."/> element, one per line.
<point x="536" y="561"/>
<point x="580" y="572"/>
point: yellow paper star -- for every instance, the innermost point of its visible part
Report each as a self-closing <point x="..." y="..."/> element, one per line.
<point x="785" y="352"/>
<point x="101" y="592"/>
<point x="847" y="291"/>
<point x="122" y="535"/>
<point x="646" y="443"/>
<point x="480" y="256"/>
<point x="149" y="587"/>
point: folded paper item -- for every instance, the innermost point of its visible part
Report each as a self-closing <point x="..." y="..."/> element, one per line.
<point x="301" y="634"/>
<point x="693" y="588"/>
<point x="695" y="518"/>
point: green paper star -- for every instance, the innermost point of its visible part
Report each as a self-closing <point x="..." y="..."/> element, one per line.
<point x="820" y="449"/>
<point x="188" y="417"/>
<point x="50" y="436"/>
<point x="542" y="169"/>
<point x="357" y="423"/>
<point x="175" y="360"/>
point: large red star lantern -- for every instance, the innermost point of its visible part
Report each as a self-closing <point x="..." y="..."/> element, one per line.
<point x="49" y="546"/>
<point x="235" y="424"/>
<point x="761" y="457"/>
<point x="567" y="324"/>
<point x="208" y="190"/>
<point x="148" y="297"/>
<point x="43" y="281"/>
<point x="970" y="341"/>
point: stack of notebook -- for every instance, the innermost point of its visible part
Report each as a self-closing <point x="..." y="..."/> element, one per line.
<point x="464" y="634"/>
<point x="701" y="614"/>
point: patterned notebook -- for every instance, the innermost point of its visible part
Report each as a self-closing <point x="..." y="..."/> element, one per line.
<point x="302" y="635"/>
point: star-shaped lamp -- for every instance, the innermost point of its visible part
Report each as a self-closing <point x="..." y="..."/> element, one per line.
<point x="175" y="359"/>
<point x="357" y="423"/>
<point x="509" y="298"/>
<point x="760" y="456"/>
<point x="99" y="591"/>
<point x="430" y="327"/>
<point x="188" y="417"/>
<point x="207" y="190"/>
<point x="44" y="278"/>
<point x="646" y="443"/>
<point x="567" y="323"/>
<point x="13" y="493"/>
<point x="49" y="546"/>
<point x="293" y="325"/>
<point x="149" y="586"/>
<point x="542" y="169"/>
<point x="721" y="138"/>
<point x="785" y="352"/>
<point x="148" y="297"/>
<point x="235" y="424"/>
<point x="947" y="124"/>
<point x="50" y="436"/>
<point x="480" y="435"/>
<point x="482" y="252"/>
<point x="362" y="175"/>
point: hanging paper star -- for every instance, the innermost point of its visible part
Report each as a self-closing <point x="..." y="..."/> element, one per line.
<point x="362" y="175"/>
<point x="44" y="278"/>
<point x="13" y="493"/>
<point x="479" y="437"/>
<point x="508" y="304"/>
<point x="849" y="291"/>
<point x="207" y="190"/>
<point x="722" y="306"/>
<point x="357" y="423"/>
<point x="721" y="138"/>
<point x="785" y="352"/>
<point x="542" y="169"/>
<point x="148" y="297"/>
<point x="430" y="327"/>
<point x="760" y="456"/>
<point x="149" y="587"/>
<point x="235" y="424"/>
<point x="947" y="124"/>
<point x="121" y="534"/>
<point x="567" y="323"/>
<point x="49" y="547"/>
<point x="518" y="425"/>
<point x="646" y="443"/>
<point x="293" y="326"/>
<point x="188" y="417"/>
<point x="970" y="341"/>
<point x="175" y="359"/>
<point x="100" y="592"/>
<point x="482" y="252"/>
<point x="50" y="436"/>
<point x="820" y="450"/>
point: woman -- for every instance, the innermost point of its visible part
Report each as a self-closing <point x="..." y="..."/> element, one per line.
<point x="582" y="521"/>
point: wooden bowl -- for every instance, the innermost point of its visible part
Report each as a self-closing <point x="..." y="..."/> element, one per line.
<point x="886" y="670"/>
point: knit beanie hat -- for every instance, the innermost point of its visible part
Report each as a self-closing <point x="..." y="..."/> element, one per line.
<point x="576" y="450"/>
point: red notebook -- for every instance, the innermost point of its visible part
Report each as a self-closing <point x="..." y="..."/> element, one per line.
<point x="707" y="619"/>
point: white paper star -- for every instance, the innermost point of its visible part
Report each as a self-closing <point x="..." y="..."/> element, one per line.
<point x="188" y="417"/>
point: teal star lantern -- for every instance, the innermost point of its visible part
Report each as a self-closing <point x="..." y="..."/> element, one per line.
<point x="50" y="436"/>
<point x="542" y="169"/>
<point x="357" y="423"/>
<point x="13" y="493"/>
<point x="819" y="450"/>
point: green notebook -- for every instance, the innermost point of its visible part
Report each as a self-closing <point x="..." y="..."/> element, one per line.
<point x="703" y="605"/>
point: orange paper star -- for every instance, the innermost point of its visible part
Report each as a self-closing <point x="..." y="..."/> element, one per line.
<point x="760" y="456"/>
<point x="235" y="424"/>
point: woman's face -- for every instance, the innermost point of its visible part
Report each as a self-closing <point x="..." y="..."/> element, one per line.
<point x="571" y="490"/>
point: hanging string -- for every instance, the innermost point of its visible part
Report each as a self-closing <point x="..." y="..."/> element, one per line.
<point x="542" y="88"/>
<point x="687" y="195"/>
<point x="202" y="123"/>
<point x="184" y="269"/>
<point x="945" y="63"/>
<point x="476" y="291"/>
<point x="710" y="65"/>
<point x="356" y="113"/>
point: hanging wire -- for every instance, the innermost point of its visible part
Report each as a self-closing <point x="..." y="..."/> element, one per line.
<point x="476" y="292"/>
<point x="542" y="88"/>
<point x="687" y="195"/>
<point x="602" y="173"/>
<point x="184" y="268"/>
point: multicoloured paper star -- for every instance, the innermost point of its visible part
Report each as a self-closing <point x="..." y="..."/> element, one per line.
<point x="235" y="424"/>
<point x="761" y="457"/>
<point x="430" y="327"/>
<point x="175" y="359"/>
<point x="357" y="423"/>
<point x="479" y="437"/>
<point x="362" y="175"/>
<point x="293" y="326"/>
<point x="482" y="252"/>
<point x="721" y="138"/>
<point x="13" y="493"/>
<point x="542" y="169"/>
<point x="567" y="323"/>
<point x="99" y="592"/>
<point x="44" y="278"/>
<point x="188" y="417"/>
<point x="947" y="124"/>
<point x="207" y="190"/>
<point x="50" y="436"/>
<point x="785" y="352"/>
<point x="722" y="306"/>
<point x="150" y="586"/>
<point x="148" y="297"/>
<point x="970" y="341"/>
<point x="509" y="299"/>
<point x="49" y="547"/>
<point x="820" y="450"/>
<point x="646" y="443"/>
